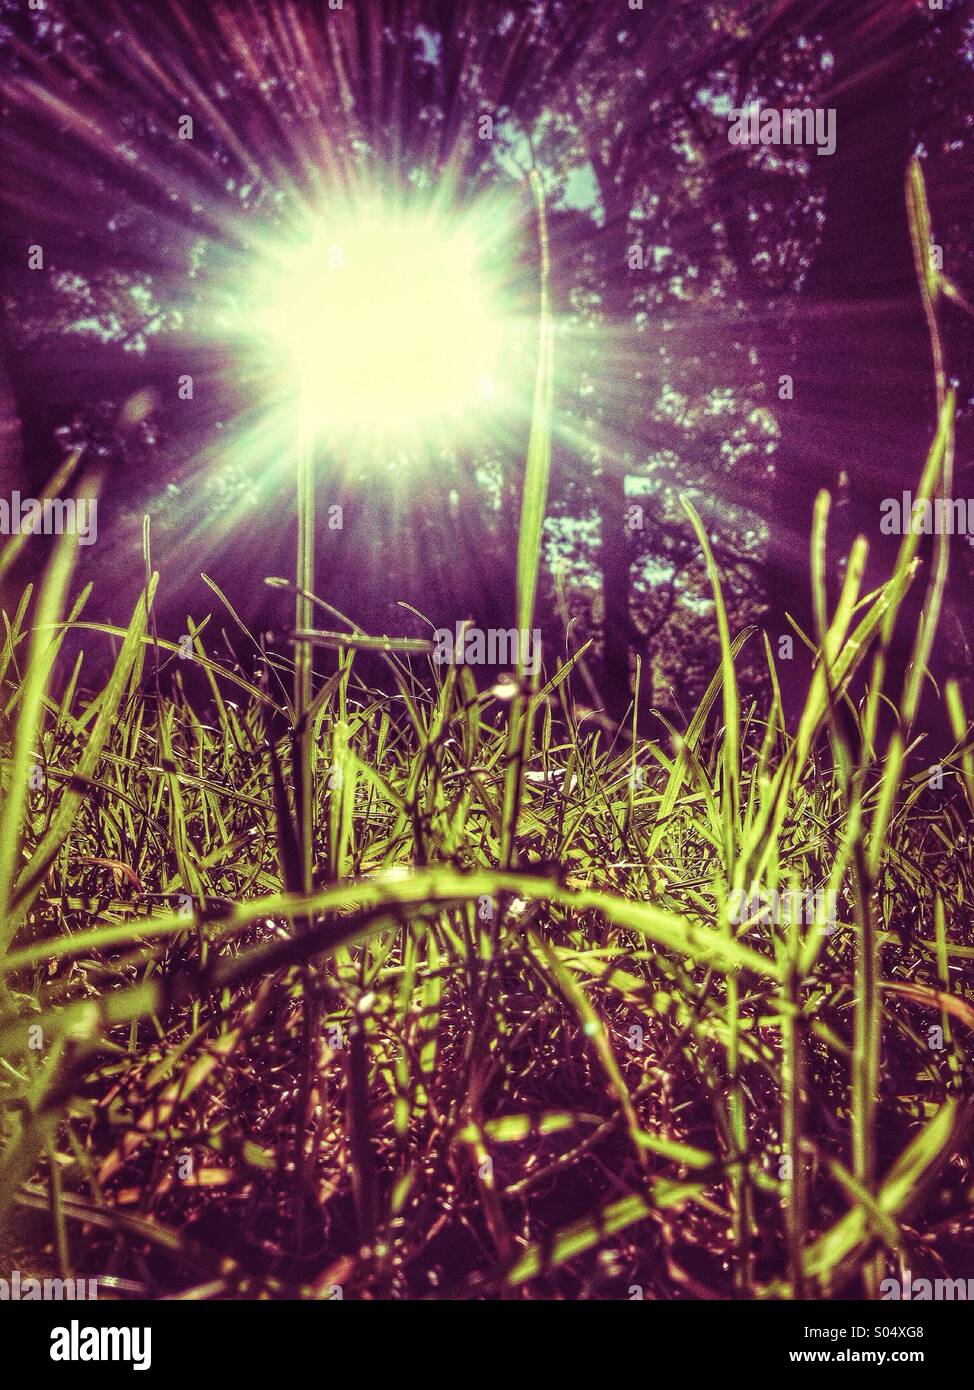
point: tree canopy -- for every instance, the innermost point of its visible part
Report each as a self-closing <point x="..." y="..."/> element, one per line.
<point x="737" y="323"/>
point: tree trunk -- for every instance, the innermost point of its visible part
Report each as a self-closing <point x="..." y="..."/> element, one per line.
<point x="610" y="491"/>
<point x="616" y="621"/>
<point x="862" y="414"/>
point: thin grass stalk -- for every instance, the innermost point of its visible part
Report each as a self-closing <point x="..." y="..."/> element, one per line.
<point x="303" y="651"/>
<point x="58" y="1221"/>
<point x="867" y="1041"/>
<point x="530" y="533"/>
<point x="302" y="773"/>
<point x="792" y="1112"/>
<point x="29" y="730"/>
<point x="740" y="1180"/>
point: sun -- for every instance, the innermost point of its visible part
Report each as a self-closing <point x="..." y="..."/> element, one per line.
<point x="383" y="322"/>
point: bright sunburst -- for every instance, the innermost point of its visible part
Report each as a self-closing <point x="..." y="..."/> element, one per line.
<point x="382" y="322"/>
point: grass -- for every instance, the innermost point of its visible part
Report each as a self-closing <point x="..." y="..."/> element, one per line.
<point x="502" y="1036"/>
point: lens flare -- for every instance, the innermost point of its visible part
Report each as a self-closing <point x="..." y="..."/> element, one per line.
<point x="383" y="323"/>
